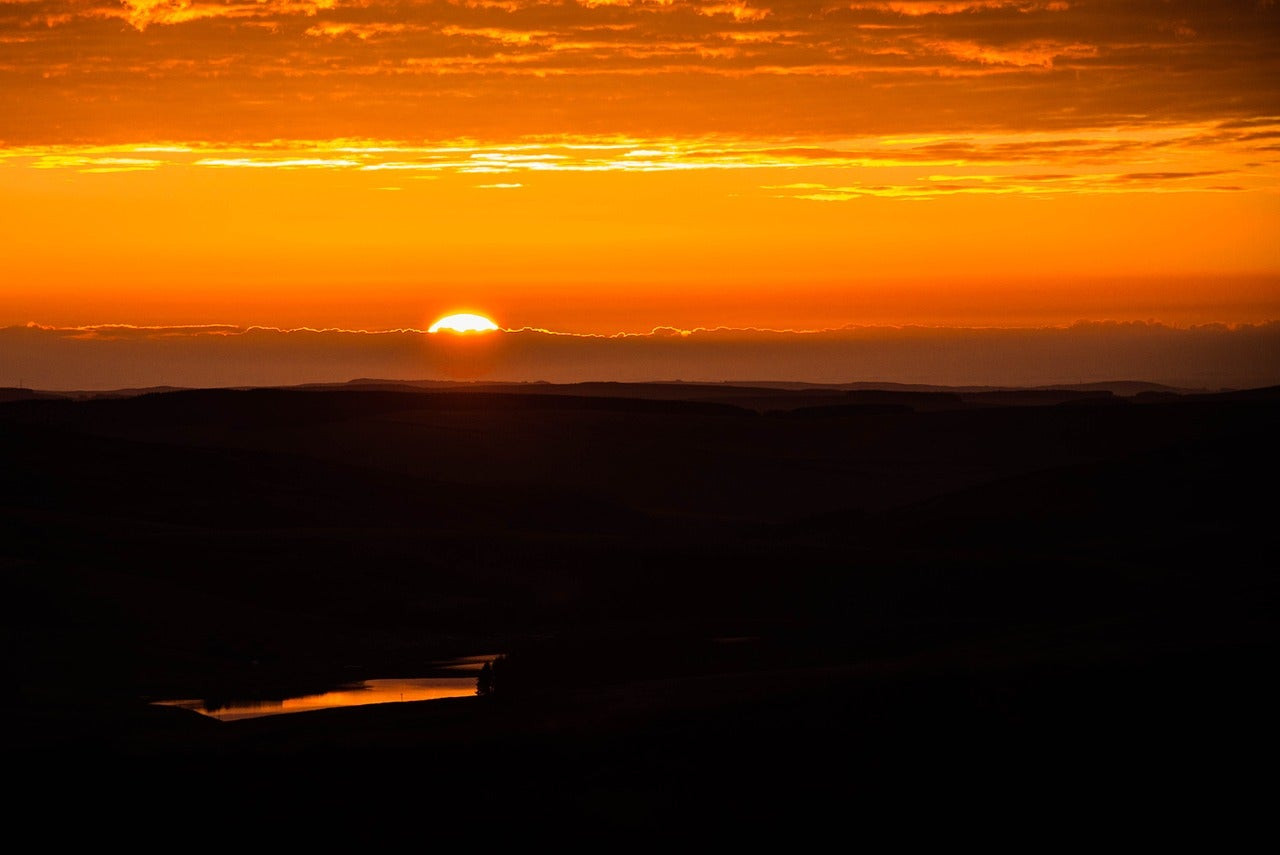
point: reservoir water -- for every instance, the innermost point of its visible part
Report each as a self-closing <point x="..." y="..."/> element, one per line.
<point x="457" y="680"/>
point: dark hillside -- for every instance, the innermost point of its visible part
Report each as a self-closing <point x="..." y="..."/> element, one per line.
<point x="698" y="599"/>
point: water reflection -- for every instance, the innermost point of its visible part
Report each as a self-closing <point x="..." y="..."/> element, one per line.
<point x="351" y="695"/>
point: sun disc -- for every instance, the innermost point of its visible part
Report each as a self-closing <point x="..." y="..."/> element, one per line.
<point x="463" y="323"/>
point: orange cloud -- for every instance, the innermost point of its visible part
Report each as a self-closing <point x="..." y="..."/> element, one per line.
<point x="1041" y="54"/>
<point x="143" y="13"/>
<point x="739" y="11"/>
<point x="956" y="7"/>
<point x="362" y="31"/>
<point x="345" y="67"/>
<point x="497" y="34"/>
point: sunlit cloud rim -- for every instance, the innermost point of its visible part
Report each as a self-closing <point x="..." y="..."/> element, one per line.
<point x="1201" y="157"/>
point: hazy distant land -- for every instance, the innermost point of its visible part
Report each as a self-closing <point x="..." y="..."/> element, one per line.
<point x="1209" y="357"/>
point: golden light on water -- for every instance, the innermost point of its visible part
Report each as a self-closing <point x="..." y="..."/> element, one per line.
<point x="463" y="323"/>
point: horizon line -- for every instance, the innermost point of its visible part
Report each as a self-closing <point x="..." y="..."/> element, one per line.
<point x="423" y="384"/>
<point x="235" y="329"/>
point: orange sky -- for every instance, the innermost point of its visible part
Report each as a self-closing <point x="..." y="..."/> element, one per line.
<point x="603" y="166"/>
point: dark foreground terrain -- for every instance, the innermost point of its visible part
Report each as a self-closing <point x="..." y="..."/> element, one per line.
<point x="730" y="611"/>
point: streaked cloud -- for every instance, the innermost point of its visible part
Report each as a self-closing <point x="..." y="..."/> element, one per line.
<point x="1175" y="158"/>
<point x="278" y="163"/>
<point x="88" y="163"/>
<point x="1041" y="53"/>
<point x="918" y="8"/>
<point x="92" y="69"/>
<point x="143" y="13"/>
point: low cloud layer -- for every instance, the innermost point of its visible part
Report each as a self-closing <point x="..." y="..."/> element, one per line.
<point x="96" y="358"/>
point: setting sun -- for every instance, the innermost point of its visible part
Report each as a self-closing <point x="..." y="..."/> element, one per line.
<point x="463" y="323"/>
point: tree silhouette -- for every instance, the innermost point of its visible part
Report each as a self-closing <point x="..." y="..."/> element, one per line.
<point x="500" y="676"/>
<point x="504" y="676"/>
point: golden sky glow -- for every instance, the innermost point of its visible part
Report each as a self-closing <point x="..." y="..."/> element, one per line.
<point x="615" y="165"/>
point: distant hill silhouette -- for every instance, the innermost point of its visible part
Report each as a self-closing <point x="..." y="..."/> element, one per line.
<point x="19" y="394"/>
